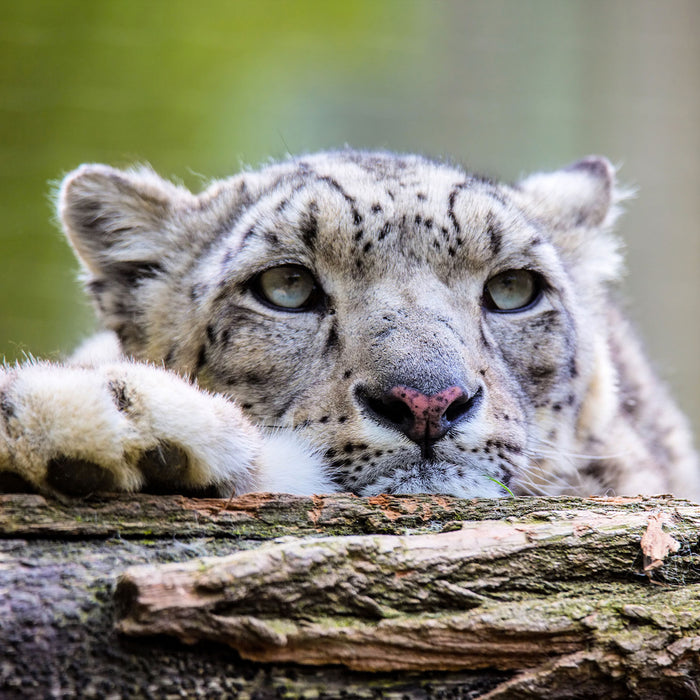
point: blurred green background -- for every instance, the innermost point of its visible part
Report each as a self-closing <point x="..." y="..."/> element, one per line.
<point x="505" y="86"/>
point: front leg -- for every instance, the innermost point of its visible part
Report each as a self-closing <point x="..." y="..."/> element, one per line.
<point x="124" y="426"/>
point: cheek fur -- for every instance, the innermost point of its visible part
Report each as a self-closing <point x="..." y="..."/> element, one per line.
<point x="538" y="350"/>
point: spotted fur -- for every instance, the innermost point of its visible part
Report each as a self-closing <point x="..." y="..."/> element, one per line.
<point x="399" y="375"/>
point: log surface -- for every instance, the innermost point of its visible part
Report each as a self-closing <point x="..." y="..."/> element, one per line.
<point x="404" y="597"/>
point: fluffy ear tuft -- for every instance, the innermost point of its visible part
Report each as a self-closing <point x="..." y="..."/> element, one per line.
<point x="116" y="218"/>
<point x="581" y="195"/>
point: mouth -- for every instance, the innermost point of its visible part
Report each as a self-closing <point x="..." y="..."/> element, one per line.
<point x="461" y="479"/>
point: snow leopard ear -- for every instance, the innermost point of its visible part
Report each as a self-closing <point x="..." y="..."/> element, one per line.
<point x="578" y="205"/>
<point x="581" y="195"/>
<point x="117" y="221"/>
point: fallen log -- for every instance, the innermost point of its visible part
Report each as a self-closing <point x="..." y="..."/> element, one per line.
<point x="388" y="596"/>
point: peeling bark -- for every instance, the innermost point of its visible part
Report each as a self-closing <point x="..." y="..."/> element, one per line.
<point x="415" y="596"/>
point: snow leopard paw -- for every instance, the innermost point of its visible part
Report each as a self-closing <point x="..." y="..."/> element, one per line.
<point x="72" y="431"/>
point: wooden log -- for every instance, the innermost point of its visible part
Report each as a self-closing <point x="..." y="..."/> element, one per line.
<point x="415" y="596"/>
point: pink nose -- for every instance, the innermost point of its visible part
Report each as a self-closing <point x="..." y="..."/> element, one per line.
<point x="425" y="418"/>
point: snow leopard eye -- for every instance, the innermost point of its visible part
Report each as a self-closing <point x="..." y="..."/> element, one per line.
<point x="512" y="290"/>
<point x="288" y="287"/>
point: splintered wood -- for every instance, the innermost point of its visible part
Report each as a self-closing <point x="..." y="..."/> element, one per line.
<point x="505" y="594"/>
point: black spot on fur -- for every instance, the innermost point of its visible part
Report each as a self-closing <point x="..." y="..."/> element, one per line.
<point x="96" y="286"/>
<point x="358" y="235"/>
<point x="376" y="208"/>
<point x="384" y="231"/>
<point x="77" y="477"/>
<point x="367" y="247"/>
<point x="356" y="217"/>
<point x="7" y="410"/>
<point x="309" y="230"/>
<point x="250" y="232"/>
<point x="197" y="291"/>
<point x="347" y="374"/>
<point x="210" y="334"/>
<point x="604" y="471"/>
<point x="332" y="339"/>
<point x="421" y="196"/>
<point x="324" y="419"/>
<point x="118" y="390"/>
<point x="451" y="203"/>
<point x="541" y="372"/>
<point x="201" y="359"/>
<point x="129" y="274"/>
<point x="336" y="186"/>
<point x="246" y="406"/>
<point x="494" y="231"/>
<point x="418" y="219"/>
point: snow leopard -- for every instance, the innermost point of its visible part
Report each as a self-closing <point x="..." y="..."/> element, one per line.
<point x="364" y="322"/>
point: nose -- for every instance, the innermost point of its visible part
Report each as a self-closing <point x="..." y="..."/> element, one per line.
<point x="424" y="419"/>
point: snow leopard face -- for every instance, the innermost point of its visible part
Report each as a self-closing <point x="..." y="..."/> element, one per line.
<point x="422" y="328"/>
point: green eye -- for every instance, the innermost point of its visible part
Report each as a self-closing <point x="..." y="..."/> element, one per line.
<point x="512" y="290"/>
<point x="290" y="287"/>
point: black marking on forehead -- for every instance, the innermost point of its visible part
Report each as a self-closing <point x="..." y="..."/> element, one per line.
<point x="451" y="206"/>
<point x="309" y="228"/>
<point x="333" y="183"/>
<point x="272" y="238"/>
<point x="494" y="230"/>
<point x="493" y="193"/>
<point x="249" y="232"/>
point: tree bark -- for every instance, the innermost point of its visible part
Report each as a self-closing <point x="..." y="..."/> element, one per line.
<point x="417" y="596"/>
